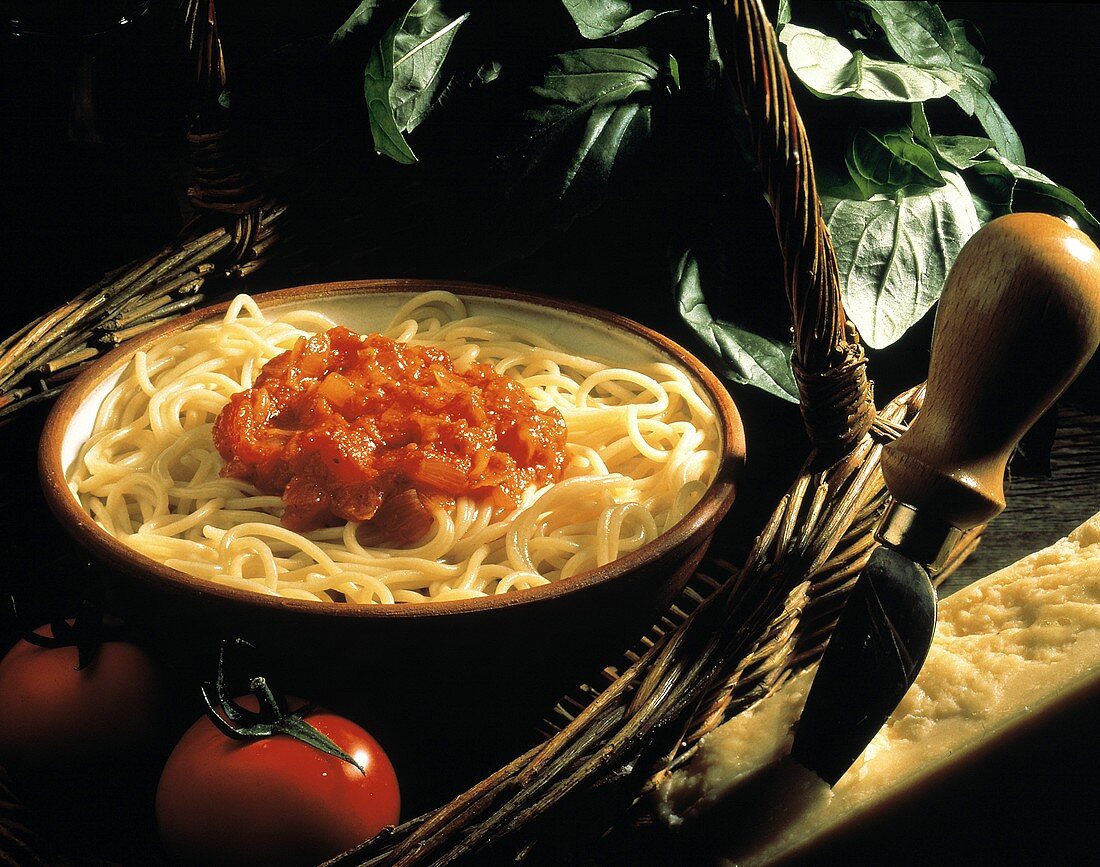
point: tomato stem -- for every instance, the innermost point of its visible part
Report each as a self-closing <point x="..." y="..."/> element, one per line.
<point x="272" y="718"/>
<point x="87" y="632"/>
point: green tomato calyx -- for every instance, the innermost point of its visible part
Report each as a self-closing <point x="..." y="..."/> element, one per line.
<point x="87" y="631"/>
<point x="273" y="717"/>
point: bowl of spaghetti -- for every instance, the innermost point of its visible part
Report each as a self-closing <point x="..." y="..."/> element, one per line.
<point x="396" y="476"/>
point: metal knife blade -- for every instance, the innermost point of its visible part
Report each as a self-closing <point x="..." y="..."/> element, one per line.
<point x="1018" y="319"/>
<point x="883" y="633"/>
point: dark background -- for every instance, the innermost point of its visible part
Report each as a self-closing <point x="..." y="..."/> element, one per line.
<point x="1046" y="59"/>
<point x="71" y="209"/>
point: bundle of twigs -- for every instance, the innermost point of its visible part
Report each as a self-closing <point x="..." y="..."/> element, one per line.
<point x="38" y="360"/>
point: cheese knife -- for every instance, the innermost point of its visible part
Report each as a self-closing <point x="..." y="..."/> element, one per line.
<point x="1018" y="319"/>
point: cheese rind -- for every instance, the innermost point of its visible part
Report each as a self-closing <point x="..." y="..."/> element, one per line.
<point x="1004" y="647"/>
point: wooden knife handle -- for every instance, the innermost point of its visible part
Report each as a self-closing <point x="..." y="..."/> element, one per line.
<point x="1018" y="320"/>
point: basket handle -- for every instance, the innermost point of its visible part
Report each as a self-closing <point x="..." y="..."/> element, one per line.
<point x="829" y="363"/>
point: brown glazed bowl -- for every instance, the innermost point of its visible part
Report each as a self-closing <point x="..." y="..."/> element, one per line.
<point x="424" y="674"/>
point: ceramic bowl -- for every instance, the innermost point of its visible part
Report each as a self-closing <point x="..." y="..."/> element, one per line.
<point x="513" y="650"/>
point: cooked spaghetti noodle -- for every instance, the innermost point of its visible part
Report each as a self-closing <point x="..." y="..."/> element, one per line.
<point x="642" y="448"/>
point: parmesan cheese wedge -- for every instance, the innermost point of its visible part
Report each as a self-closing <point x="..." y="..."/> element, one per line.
<point x="1006" y="647"/>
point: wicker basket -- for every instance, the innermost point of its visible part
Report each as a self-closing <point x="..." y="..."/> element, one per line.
<point x="737" y="633"/>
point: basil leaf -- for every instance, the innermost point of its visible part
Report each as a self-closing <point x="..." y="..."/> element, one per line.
<point x="958" y="151"/>
<point x="920" y="35"/>
<point x="464" y="80"/>
<point x="918" y="32"/>
<point x="592" y="106"/>
<point x="745" y="357"/>
<point x="359" y="20"/>
<point x="918" y="122"/>
<point x="890" y="161"/>
<point x="993" y="121"/>
<point x="1002" y="184"/>
<point x="961" y="151"/>
<point x="598" y="19"/>
<point x="894" y="254"/>
<point x="829" y="69"/>
<point x="377" y="79"/>
<point x="974" y="97"/>
<point x="782" y="15"/>
<point x="968" y="59"/>
<point x="422" y="47"/>
<point x="521" y="160"/>
<point x="986" y="211"/>
<point x="402" y="74"/>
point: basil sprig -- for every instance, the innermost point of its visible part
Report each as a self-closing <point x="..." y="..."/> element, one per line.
<point x="528" y="117"/>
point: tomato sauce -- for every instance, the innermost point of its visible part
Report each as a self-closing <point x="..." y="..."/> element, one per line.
<point x="359" y="427"/>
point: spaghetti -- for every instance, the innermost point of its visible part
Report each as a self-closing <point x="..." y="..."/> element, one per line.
<point x="641" y="449"/>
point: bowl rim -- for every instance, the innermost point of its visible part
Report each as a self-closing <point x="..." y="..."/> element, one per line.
<point x="80" y="525"/>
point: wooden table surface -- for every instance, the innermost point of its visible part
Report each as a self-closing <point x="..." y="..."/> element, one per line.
<point x="1042" y="510"/>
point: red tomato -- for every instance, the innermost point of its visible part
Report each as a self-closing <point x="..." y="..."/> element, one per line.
<point x="273" y="800"/>
<point x="51" y="714"/>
